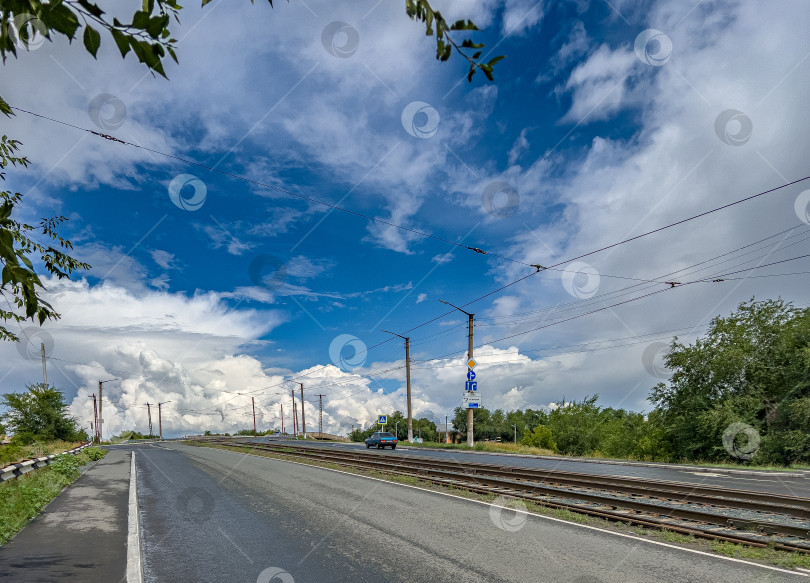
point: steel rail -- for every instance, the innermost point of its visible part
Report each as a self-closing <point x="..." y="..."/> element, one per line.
<point x="794" y="506"/>
<point x="490" y="478"/>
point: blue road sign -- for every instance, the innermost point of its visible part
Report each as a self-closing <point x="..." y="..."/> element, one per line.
<point x="470" y="375"/>
<point x="471" y="386"/>
<point x="382" y="419"/>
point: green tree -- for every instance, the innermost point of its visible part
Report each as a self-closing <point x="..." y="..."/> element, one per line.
<point x="541" y="437"/>
<point x="577" y="426"/>
<point x="751" y="370"/>
<point x="148" y="36"/>
<point x="20" y="284"/>
<point x="40" y="415"/>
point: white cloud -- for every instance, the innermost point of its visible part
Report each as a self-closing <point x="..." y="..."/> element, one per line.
<point x="163" y="258"/>
<point x="421" y="298"/>
<point x="521" y="145"/>
<point x="599" y="84"/>
<point x="520" y="16"/>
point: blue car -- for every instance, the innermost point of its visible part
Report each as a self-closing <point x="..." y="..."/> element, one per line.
<point x="382" y="439"/>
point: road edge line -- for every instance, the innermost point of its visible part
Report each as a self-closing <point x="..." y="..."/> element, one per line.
<point x="134" y="567"/>
<point x="541" y="516"/>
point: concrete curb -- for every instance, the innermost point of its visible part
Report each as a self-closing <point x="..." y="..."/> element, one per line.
<point x="703" y="469"/>
<point x="16" y="470"/>
<point x="134" y="566"/>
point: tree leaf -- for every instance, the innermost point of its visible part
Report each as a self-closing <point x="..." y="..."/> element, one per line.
<point x="92" y="40"/>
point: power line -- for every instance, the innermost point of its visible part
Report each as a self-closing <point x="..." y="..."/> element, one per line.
<point x="272" y="187"/>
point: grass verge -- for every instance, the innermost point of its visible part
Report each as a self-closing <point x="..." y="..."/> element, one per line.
<point x="11" y="454"/>
<point x="23" y="498"/>
<point x="765" y="556"/>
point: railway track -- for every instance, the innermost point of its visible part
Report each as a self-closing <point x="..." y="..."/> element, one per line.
<point x="741" y="516"/>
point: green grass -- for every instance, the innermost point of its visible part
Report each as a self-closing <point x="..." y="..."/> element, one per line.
<point x="491" y="446"/>
<point x="768" y="555"/>
<point x="10" y="454"/>
<point x="23" y="498"/>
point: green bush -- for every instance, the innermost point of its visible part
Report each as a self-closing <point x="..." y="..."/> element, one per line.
<point x="66" y="465"/>
<point x="539" y="437"/>
<point x="9" y="454"/>
<point x="94" y="453"/>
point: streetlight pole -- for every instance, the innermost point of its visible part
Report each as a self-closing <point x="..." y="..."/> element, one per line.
<point x="407" y="380"/>
<point x="470" y="440"/>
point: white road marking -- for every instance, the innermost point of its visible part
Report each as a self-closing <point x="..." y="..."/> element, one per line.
<point x="134" y="567"/>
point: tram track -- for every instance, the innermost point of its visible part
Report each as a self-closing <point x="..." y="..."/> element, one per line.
<point x="753" y="518"/>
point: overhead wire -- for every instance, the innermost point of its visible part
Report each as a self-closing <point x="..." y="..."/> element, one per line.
<point x="539" y="268"/>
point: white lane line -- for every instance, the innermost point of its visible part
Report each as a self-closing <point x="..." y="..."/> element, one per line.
<point x="543" y="517"/>
<point x="134" y="567"/>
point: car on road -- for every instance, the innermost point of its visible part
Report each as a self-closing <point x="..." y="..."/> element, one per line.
<point x="382" y="439"/>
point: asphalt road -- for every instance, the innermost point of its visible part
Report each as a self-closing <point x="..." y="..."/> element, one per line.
<point x="771" y="482"/>
<point x="213" y="515"/>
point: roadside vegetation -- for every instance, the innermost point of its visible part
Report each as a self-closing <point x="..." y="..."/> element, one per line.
<point x="11" y="454"/>
<point x="21" y="499"/>
<point x="740" y="395"/>
<point x="40" y="425"/>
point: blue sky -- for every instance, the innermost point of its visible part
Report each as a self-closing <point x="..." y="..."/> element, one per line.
<point x="596" y="139"/>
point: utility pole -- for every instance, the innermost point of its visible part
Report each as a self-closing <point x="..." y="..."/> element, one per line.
<point x="515" y="426"/>
<point x="149" y="409"/>
<point x="100" y="420"/>
<point x="407" y="380"/>
<point x="160" y="419"/>
<point x="44" y="369"/>
<point x="446" y="431"/>
<point x="320" y="421"/>
<point x="100" y="424"/>
<point x="303" y="419"/>
<point x="470" y="440"/>
<point x="295" y="415"/>
<point x="253" y="402"/>
<point x="95" y="420"/>
<point x="282" y="418"/>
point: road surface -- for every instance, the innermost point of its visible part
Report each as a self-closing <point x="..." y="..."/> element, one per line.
<point x="213" y="515"/>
